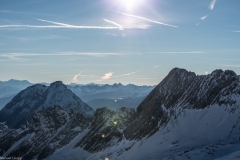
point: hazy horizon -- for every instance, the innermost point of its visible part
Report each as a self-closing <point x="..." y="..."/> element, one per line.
<point x="97" y="83"/>
<point x="75" y="83"/>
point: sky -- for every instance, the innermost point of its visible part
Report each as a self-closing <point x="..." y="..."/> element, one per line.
<point x="116" y="41"/>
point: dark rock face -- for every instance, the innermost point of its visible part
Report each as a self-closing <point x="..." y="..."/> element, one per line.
<point x="106" y="127"/>
<point x="181" y="89"/>
<point x="172" y="87"/>
<point x="38" y="97"/>
<point x="210" y="89"/>
<point x="45" y="132"/>
<point x="51" y="129"/>
<point x="19" y="109"/>
<point x="77" y="124"/>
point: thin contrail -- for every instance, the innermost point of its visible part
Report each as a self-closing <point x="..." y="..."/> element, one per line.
<point x="120" y="27"/>
<point x="130" y="15"/>
<point x="58" y="23"/>
<point x="128" y="74"/>
<point x="67" y="27"/>
<point x="112" y="34"/>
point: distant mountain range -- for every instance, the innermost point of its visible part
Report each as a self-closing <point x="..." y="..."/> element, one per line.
<point x="11" y="87"/>
<point x="95" y="95"/>
<point x="111" y="96"/>
<point x="184" y="117"/>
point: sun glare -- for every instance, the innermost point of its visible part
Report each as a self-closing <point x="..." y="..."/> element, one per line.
<point x="130" y="4"/>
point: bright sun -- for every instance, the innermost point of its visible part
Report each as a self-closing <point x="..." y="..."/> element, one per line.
<point x="130" y="4"/>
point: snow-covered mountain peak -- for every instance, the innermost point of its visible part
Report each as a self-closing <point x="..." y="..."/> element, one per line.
<point x="38" y="97"/>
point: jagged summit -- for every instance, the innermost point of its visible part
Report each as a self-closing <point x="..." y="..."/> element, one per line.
<point x="216" y="72"/>
<point x="219" y="72"/>
<point x="38" y="97"/>
<point x="180" y="71"/>
<point x="57" y="83"/>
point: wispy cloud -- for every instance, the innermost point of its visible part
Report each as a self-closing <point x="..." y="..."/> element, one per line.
<point x="145" y="78"/>
<point x="46" y="37"/>
<point x="112" y="34"/>
<point x="68" y="60"/>
<point x="229" y="65"/>
<point x="212" y="4"/>
<point x="8" y="11"/>
<point x="23" y="13"/>
<point x="122" y="75"/>
<point x="204" y="17"/>
<point x="93" y="54"/>
<point x="236" y="31"/>
<point x="12" y="57"/>
<point x="75" y="77"/>
<point x="19" y="38"/>
<point x="190" y="52"/>
<point x="197" y="24"/>
<point x="143" y="18"/>
<point x="107" y="76"/>
<point x="116" y="24"/>
<point x="20" y="55"/>
<point x="17" y="55"/>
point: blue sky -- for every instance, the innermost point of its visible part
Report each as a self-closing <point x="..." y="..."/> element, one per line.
<point x="112" y="41"/>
